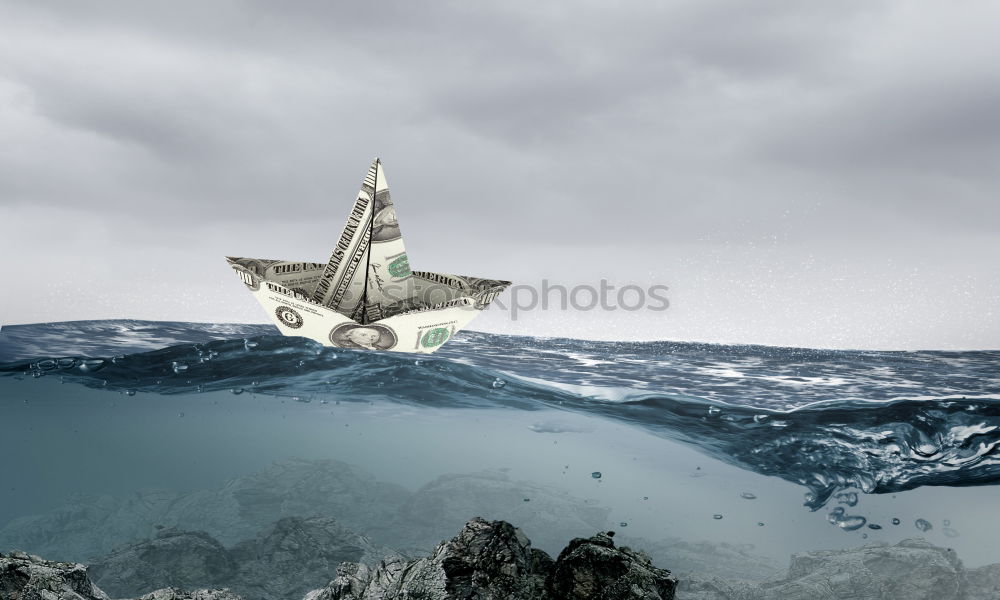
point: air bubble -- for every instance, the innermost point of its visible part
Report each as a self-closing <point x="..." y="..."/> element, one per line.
<point x="851" y="523"/>
<point x="714" y="410"/>
<point x="498" y="383"/>
<point x="623" y="524"/>
<point x="236" y="391"/>
<point x="716" y="516"/>
<point x="895" y="521"/>
<point x="848" y="498"/>
<point x="596" y="474"/>
<point x="923" y="525"/>
<point x="748" y="496"/>
<point x="179" y="367"/>
<point x="250" y="344"/>
<point x="130" y="392"/>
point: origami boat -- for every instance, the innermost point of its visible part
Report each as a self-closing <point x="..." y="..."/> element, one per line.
<point x="366" y="296"/>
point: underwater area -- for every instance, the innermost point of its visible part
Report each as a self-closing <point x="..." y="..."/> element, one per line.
<point x="718" y="461"/>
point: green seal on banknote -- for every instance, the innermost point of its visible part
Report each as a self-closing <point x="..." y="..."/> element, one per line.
<point x="400" y="267"/>
<point x="435" y="337"/>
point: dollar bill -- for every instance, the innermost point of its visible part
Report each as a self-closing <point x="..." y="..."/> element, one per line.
<point x="363" y="278"/>
<point x="300" y="277"/>
<point x="366" y="296"/>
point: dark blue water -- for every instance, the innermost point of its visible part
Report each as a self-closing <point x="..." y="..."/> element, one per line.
<point x="837" y="424"/>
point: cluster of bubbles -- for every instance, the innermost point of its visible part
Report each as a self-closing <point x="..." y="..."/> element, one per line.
<point x="84" y="365"/>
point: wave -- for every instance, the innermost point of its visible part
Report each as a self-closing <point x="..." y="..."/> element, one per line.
<point x="850" y="424"/>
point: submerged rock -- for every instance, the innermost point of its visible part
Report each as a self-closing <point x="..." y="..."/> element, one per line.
<point x="495" y="561"/>
<point x="180" y="559"/>
<point x="910" y="570"/>
<point x="176" y="594"/>
<point x="283" y="562"/>
<point x="595" y="568"/>
<point x="27" y="577"/>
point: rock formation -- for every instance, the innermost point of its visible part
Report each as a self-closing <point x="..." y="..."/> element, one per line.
<point x="910" y="570"/>
<point x="485" y="561"/>
<point x="27" y="577"/>
<point x="494" y="561"/>
<point x="283" y="561"/>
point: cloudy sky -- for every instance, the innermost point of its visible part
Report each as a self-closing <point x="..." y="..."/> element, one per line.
<point x="815" y="174"/>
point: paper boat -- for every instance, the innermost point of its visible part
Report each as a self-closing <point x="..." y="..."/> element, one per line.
<point x="366" y="296"/>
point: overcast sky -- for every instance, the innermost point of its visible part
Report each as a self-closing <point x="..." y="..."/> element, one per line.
<point x="814" y="174"/>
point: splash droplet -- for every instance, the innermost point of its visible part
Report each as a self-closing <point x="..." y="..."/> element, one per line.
<point x="236" y="391"/>
<point x="714" y="410"/>
<point x="748" y="496"/>
<point x="130" y="392"/>
<point x="874" y="526"/>
<point x="250" y="344"/>
<point x="179" y="367"/>
<point x="923" y="525"/>
<point x="716" y="516"/>
<point x="596" y="475"/>
<point x="623" y="524"/>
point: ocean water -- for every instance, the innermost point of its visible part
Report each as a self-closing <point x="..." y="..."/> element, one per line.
<point x="746" y="451"/>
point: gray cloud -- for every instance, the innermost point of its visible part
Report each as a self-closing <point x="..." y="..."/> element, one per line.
<point x="528" y="129"/>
